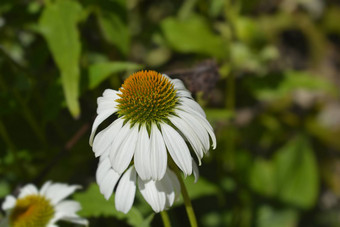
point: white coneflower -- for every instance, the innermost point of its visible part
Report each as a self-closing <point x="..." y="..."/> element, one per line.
<point x="42" y="208"/>
<point x="160" y="194"/>
<point x="156" y="116"/>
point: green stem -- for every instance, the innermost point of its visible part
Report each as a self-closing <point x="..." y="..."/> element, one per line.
<point x="187" y="201"/>
<point x="165" y="219"/>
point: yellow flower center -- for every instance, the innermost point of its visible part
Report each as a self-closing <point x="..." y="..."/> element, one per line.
<point x="146" y="96"/>
<point x="31" y="211"/>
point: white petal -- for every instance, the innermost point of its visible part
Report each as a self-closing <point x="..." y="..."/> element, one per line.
<point x="196" y="127"/>
<point x="193" y="105"/>
<point x="184" y="94"/>
<point x="175" y="183"/>
<point x="122" y="157"/>
<point x="122" y="135"/>
<point x="66" y="210"/>
<point x="177" y="148"/>
<point x="45" y="187"/>
<point x="158" y="154"/>
<point x="108" y="183"/>
<point x="103" y="167"/>
<point x="195" y="170"/>
<point x="191" y="136"/>
<point x="68" y="207"/>
<point x="28" y="189"/>
<point x="110" y="93"/>
<point x="104" y="138"/>
<point x="99" y="119"/>
<point x="168" y="189"/>
<point x="178" y="84"/>
<point x="153" y="194"/>
<point x="9" y="202"/>
<point x="142" y="154"/>
<point x="204" y="123"/>
<point x="126" y="190"/>
<point x="57" y="192"/>
<point x="77" y="220"/>
<point x="105" y="104"/>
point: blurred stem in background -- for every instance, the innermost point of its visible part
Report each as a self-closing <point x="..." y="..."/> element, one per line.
<point x="232" y="9"/>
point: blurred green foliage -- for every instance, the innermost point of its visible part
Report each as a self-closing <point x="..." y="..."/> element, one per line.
<point x="266" y="73"/>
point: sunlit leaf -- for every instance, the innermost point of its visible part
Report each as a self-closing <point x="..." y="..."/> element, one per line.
<point x="100" y="71"/>
<point x="58" y="25"/>
<point x="193" y="35"/>
<point x="296" y="173"/>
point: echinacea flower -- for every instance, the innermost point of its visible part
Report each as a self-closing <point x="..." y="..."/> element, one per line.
<point x="44" y="207"/>
<point x="160" y="194"/>
<point x="157" y="116"/>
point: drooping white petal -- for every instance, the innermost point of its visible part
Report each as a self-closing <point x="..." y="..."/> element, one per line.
<point x="99" y="119"/>
<point x="104" y="138"/>
<point x="193" y="105"/>
<point x="28" y="189"/>
<point x="169" y="190"/>
<point x="197" y="127"/>
<point x="121" y="136"/>
<point x="57" y="192"/>
<point x="204" y="123"/>
<point x="126" y="190"/>
<point x="103" y="167"/>
<point x="142" y="154"/>
<point x="191" y="136"/>
<point x="177" y="148"/>
<point x="175" y="183"/>
<point x="122" y="157"/>
<point x="195" y="170"/>
<point x="108" y="183"/>
<point x="153" y="194"/>
<point x="158" y="154"/>
<point x="9" y="202"/>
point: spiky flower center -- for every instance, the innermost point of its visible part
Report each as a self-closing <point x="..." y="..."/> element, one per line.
<point x="146" y="96"/>
<point x="31" y="211"/>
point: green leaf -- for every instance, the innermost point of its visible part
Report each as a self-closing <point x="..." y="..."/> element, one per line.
<point x="296" y="173"/>
<point x="94" y="205"/>
<point x="58" y="25"/>
<point x="290" y="82"/>
<point x="114" y="30"/>
<point x="100" y="71"/>
<point x="262" y="177"/>
<point x="268" y="217"/>
<point x="193" y="35"/>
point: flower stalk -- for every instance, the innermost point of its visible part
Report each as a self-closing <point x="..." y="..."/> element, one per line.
<point x="187" y="202"/>
<point x="165" y="219"/>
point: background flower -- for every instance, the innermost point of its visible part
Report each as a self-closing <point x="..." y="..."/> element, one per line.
<point x="42" y="207"/>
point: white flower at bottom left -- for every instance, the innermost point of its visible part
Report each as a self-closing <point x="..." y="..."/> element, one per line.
<point x="42" y="208"/>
